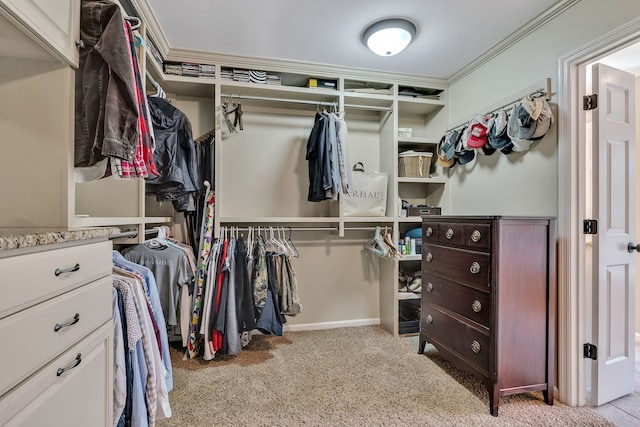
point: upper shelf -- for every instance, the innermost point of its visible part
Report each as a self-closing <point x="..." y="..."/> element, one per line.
<point x="422" y="106"/>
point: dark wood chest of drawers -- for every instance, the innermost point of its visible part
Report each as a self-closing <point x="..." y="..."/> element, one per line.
<point x="489" y="299"/>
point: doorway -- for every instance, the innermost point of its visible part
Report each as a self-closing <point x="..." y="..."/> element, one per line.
<point x="611" y="320"/>
<point x="572" y="292"/>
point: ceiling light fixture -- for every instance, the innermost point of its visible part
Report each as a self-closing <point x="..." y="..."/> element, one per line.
<point x="389" y="36"/>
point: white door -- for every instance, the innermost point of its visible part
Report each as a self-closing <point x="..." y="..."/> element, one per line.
<point x="614" y="208"/>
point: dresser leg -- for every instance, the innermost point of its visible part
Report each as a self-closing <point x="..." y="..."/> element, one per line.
<point x="547" y="394"/>
<point x="494" y="399"/>
<point x="421" y="346"/>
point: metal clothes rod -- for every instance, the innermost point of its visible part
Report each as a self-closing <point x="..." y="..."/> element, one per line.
<point x="286" y="228"/>
<point x="128" y="233"/>
<point x="294" y="101"/>
<point x="368" y="107"/>
<point x="302" y="228"/>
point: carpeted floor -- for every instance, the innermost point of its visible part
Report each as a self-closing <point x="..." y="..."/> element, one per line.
<point x="346" y="377"/>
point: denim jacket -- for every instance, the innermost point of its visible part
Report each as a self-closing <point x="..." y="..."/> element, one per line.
<point x="106" y="109"/>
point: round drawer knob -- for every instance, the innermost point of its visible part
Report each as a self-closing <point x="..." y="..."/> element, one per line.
<point x="475" y="236"/>
<point x="475" y="346"/>
<point x="428" y="232"/>
<point x="475" y="268"/>
<point x="429" y="287"/>
<point x="428" y="257"/>
<point x="429" y="319"/>
<point x="449" y="233"/>
<point x="476" y="306"/>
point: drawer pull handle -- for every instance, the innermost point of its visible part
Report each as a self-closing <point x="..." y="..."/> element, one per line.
<point x="449" y="233"/>
<point x="429" y="287"/>
<point x="475" y="346"/>
<point x="68" y="368"/>
<point x="428" y="232"/>
<point x="475" y="236"/>
<point x="60" y="271"/>
<point x="476" y="306"/>
<point x="475" y="268"/>
<point x="428" y="257"/>
<point x="75" y="320"/>
<point x="429" y="319"/>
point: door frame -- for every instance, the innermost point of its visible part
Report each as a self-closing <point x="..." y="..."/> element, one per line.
<point x="571" y="200"/>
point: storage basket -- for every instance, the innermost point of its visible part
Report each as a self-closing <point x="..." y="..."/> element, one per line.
<point x="414" y="164"/>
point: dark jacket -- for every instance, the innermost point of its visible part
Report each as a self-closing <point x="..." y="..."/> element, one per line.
<point x="106" y="106"/>
<point x="174" y="155"/>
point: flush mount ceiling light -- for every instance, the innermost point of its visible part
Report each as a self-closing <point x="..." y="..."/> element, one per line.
<point x="389" y="36"/>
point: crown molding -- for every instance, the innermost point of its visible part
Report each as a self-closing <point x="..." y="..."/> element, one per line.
<point x="514" y="38"/>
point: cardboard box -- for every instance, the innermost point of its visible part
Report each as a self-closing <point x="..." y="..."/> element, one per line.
<point x="327" y="84"/>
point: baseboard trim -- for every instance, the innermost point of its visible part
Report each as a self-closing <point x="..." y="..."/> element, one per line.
<point x="331" y="325"/>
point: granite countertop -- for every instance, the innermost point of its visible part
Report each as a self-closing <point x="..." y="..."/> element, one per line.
<point x="20" y="238"/>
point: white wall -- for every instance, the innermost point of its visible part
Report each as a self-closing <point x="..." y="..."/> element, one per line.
<point x="524" y="184"/>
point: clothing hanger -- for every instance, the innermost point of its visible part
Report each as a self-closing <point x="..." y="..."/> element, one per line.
<point x="392" y="249"/>
<point x="156" y="242"/>
<point x="289" y="240"/>
<point x="376" y="245"/>
<point x="283" y="240"/>
<point x="134" y="21"/>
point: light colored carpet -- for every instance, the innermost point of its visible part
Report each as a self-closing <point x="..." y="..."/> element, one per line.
<point x="346" y="377"/>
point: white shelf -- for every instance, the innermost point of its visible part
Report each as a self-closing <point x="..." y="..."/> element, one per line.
<point x="404" y="140"/>
<point x="230" y="87"/>
<point x="407" y="105"/>
<point x="422" y="180"/>
<point x="81" y="222"/>
<point x="411" y="258"/>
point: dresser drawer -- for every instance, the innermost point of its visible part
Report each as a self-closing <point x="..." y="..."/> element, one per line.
<point x="472" y="236"/>
<point x="29" y="279"/>
<point x="38" y="334"/>
<point x="470" y="343"/>
<point x="464" y="300"/>
<point x="450" y="233"/>
<point x="469" y="267"/>
<point x="79" y="396"/>
<point x="477" y="236"/>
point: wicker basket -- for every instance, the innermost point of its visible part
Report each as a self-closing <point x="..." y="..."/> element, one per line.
<point x="414" y="164"/>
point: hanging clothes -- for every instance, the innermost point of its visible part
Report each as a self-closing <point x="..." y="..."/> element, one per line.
<point x="151" y="289"/>
<point x="204" y="255"/>
<point x="108" y="116"/>
<point x="179" y="179"/>
<point x="327" y="156"/>
<point x="171" y="269"/>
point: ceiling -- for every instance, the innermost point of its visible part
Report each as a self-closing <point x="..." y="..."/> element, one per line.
<point x="451" y="33"/>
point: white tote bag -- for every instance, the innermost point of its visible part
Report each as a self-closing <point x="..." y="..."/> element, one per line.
<point x="368" y="195"/>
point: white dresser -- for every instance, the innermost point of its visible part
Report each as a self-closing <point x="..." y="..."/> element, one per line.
<point x="56" y="333"/>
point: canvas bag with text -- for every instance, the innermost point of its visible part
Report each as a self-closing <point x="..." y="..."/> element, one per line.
<point x="368" y="195"/>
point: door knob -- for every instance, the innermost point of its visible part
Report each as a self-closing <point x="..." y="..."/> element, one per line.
<point x="631" y="247"/>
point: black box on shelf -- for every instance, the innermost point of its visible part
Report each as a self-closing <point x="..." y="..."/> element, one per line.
<point x="424" y="210"/>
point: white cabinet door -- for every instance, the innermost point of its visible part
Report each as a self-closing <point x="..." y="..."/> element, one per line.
<point x="74" y="390"/>
<point x="53" y="23"/>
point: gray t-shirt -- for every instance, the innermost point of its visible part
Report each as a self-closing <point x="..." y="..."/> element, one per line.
<point x="170" y="267"/>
